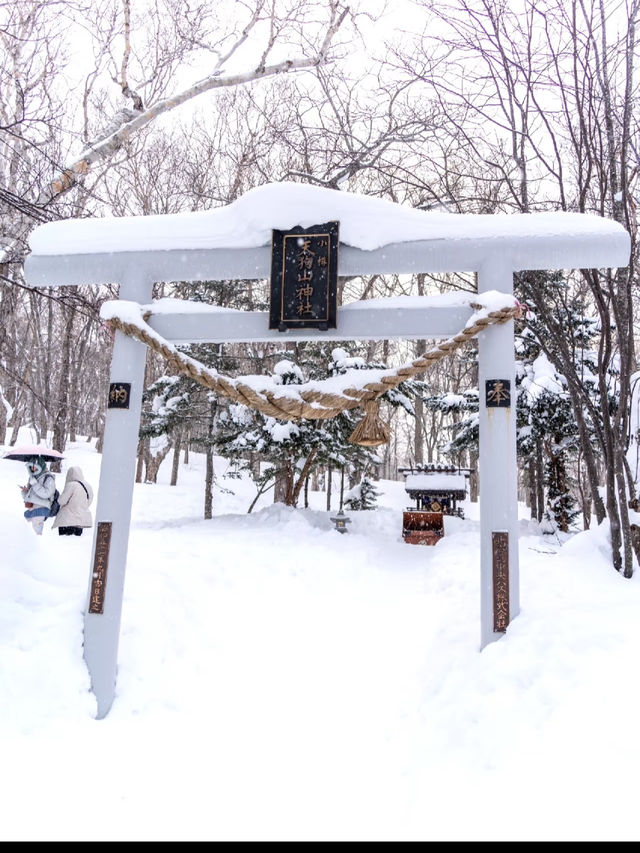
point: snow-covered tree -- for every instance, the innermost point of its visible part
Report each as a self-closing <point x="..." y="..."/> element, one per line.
<point x="546" y="419"/>
<point x="143" y="50"/>
<point x="363" y="496"/>
<point x="569" y="337"/>
<point x="546" y="429"/>
<point x="463" y="426"/>
<point x="290" y="450"/>
<point x="165" y="406"/>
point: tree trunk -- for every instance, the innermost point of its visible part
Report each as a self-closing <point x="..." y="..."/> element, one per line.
<point x="100" y="438"/>
<point x="152" y="462"/>
<point x="283" y="485"/>
<point x="16" y="423"/>
<point x="254" y="464"/>
<point x="306" y="470"/>
<point x="558" y="477"/>
<point x="418" y="404"/>
<point x="140" y="462"/>
<point x="584" y="490"/>
<point x="3" y="422"/>
<point x="74" y="373"/>
<point x="532" y="488"/>
<point x="634" y="532"/>
<point x="539" y="480"/>
<point x="209" y="470"/>
<point x="176" y="458"/>
<point x="623" y="508"/>
<point x="473" y="477"/>
<point x="208" y="483"/>
<point x="59" y="438"/>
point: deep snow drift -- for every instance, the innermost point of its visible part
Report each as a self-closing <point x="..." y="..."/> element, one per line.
<point x="280" y="681"/>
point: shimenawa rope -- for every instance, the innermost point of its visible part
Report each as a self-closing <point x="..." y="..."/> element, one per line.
<point x="312" y="403"/>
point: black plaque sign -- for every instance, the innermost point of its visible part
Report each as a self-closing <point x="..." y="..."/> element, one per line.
<point x="498" y="393"/>
<point x="119" y="394"/>
<point x="100" y="565"/>
<point x="304" y="278"/>
<point x="500" y="548"/>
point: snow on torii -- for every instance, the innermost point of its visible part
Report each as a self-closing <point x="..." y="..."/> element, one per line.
<point x="376" y="236"/>
<point x="365" y="223"/>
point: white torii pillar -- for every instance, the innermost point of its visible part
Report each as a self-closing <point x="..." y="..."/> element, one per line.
<point x="113" y="511"/>
<point x="500" y="576"/>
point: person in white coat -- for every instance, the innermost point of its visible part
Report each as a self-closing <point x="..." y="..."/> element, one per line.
<point x="38" y="493"/>
<point x="74" y="514"/>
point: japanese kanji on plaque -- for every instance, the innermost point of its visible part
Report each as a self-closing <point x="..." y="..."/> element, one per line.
<point x="304" y="278"/>
<point x="119" y="394"/>
<point x="500" y="558"/>
<point x="100" y="566"/>
<point x="498" y="393"/>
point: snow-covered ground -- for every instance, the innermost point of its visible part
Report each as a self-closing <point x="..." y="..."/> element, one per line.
<point x="280" y="681"/>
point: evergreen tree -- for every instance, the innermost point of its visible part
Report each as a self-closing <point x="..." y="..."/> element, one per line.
<point x="552" y="423"/>
<point x="551" y="431"/>
<point x="290" y="450"/>
<point x="546" y="434"/>
<point x="363" y="496"/>
<point x="464" y="426"/>
<point x="181" y="409"/>
<point x="166" y="403"/>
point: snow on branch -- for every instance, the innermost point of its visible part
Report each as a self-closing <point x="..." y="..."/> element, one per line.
<point x="132" y="121"/>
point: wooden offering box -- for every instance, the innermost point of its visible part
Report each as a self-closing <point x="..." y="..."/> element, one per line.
<point x="422" y="528"/>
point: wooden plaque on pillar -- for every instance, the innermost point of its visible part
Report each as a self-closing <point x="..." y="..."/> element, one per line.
<point x="500" y="554"/>
<point x="498" y="393"/>
<point x="119" y="395"/>
<point x="100" y="566"/>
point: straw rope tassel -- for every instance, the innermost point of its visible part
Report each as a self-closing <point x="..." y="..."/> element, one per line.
<point x="372" y="430"/>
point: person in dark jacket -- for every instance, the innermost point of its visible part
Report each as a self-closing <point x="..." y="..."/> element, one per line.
<point x="74" y="514"/>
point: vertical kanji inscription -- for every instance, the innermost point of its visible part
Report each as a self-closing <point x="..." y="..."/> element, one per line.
<point x="100" y="566"/>
<point x="304" y="275"/>
<point x="500" y="548"/>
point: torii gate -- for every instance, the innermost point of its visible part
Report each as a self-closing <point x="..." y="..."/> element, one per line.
<point x="234" y="243"/>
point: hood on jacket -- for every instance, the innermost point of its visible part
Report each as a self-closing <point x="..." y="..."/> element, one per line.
<point x="74" y="473"/>
<point x="36" y="466"/>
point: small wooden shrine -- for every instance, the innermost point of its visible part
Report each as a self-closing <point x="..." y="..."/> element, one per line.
<point x="436" y="490"/>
